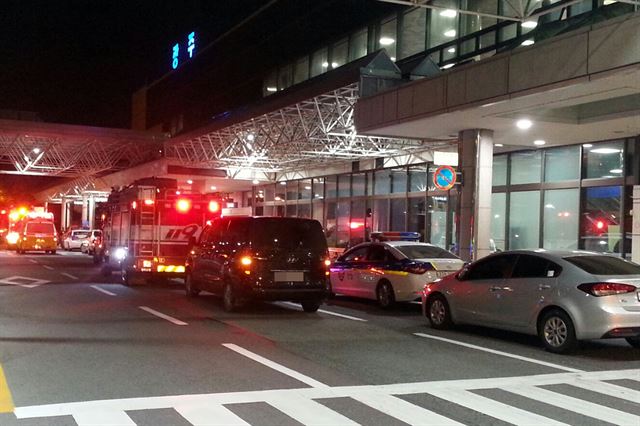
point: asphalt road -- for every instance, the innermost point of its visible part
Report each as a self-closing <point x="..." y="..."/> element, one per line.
<point x="79" y="348"/>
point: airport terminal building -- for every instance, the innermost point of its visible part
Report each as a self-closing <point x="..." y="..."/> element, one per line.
<point x="348" y="113"/>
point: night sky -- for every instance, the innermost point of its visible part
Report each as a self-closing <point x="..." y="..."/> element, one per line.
<point x="78" y="62"/>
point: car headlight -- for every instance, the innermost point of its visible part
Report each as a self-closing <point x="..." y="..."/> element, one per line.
<point x="120" y="253"/>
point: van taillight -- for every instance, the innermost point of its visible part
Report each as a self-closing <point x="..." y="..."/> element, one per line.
<point x="606" y="289"/>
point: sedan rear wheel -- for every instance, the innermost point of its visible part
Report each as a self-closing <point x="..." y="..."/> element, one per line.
<point x="438" y="312"/>
<point x="557" y="332"/>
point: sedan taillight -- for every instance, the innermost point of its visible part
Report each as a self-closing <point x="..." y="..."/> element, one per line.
<point x="606" y="289"/>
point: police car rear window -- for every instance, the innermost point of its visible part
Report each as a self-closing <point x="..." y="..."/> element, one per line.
<point x="425" y="252"/>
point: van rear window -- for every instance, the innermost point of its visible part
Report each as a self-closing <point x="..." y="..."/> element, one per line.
<point x="604" y="265"/>
<point x="40" y="228"/>
<point x="289" y="233"/>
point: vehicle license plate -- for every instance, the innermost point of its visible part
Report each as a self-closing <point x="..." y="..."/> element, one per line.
<point x="441" y="274"/>
<point x="288" y="276"/>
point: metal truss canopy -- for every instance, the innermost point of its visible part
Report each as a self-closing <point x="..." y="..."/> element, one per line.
<point x="306" y="134"/>
<point x="33" y="148"/>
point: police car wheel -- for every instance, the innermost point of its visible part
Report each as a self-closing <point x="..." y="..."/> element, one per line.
<point x="385" y="295"/>
<point x="189" y="286"/>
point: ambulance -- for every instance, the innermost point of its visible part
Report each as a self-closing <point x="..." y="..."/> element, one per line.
<point x="36" y="232"/>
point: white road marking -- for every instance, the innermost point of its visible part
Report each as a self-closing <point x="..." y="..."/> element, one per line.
<point x="103" y="290"/>
<point x="609" y="389"/>
<point x="102" y="417"/>
<point x="211" y="415"/>
<point x="33" y="261"/>
<point x="298" y="307"/>
<point x="576" y="405"/>
<point x="496" y="352"/>
<point x="404" y="410"/>
<point x="274" y="365"/>
<point x="163" y="316"/>
<point x="199" y="407"/>
<point x="31" y="282"/>
<point x="73" y="277"/>
<point x="309" y="412"/>
<point x="48" y="267"/>
<point x="494" y="408"/>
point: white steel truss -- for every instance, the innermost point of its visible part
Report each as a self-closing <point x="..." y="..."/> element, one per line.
<point x="312" y="132"/>
<point x="70" y="156"/>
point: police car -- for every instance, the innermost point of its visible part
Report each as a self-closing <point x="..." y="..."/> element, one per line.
<point x="391" y="270"/>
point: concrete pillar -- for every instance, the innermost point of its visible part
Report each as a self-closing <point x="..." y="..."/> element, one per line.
<point x="475" y="153"/>
<point x="635" y="227"/>
<point x="91" y="211"/>
<point x="63" y="214"/>
<point x="85" y="211"/>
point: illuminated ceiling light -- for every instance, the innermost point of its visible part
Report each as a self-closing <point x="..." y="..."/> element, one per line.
<point x="283" y="183"/>
<point x="393" y="58"/>
<point x="446" y="67"/>
<point x="325" y="64"/>
<point x="256" y="181"/>
<point x="250" y="137"/>
<point x="587" y="145"/>
<point x="386" y="41"/>
<point x="524" y="124"/>
<point x="36" y="150"/>
<point x="539" y="142"/>
<point x="450" y="33"/>
<point x="451" y="50"/>
<point x="449" y="13"/>
<point x="498" y="145"/>
<point x="615" y="171"/>
<point x="213" y="187"/>
<point x="604" y="150"/>
<point x="527" y="42"/>
<point x="334" y="65"/>
<point x="189" y="181"/>
<point x="529" y="24"/>
<point x="272" y="89"/>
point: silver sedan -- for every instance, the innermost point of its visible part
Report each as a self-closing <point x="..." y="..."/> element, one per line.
<point x="561" y="296"/>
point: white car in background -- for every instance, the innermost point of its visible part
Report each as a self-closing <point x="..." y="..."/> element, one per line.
<point x="73" y="239"/>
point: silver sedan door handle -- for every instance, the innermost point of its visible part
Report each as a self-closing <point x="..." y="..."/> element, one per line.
<point x="544" y="287"/>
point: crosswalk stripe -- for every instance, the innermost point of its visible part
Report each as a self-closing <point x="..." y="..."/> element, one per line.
<point x="619" y="392"/>
<point x="493" y="408"/>
<point x="403" y="410"/>
<point x="209" y="415"/>
<point x="576" y="405"/>
<point x="308" y="411"/>
<point x="97" y="417"/>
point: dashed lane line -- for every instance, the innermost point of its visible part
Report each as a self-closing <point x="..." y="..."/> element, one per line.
<point x="6" y="402"/>
<point x="102" y="290"/>
<point x="275" y="366"/>
<point x="48" y="267"/>
<point x="496" y="352"/>
<point x="73" y="277"/>
<point x="323" y="311"/>
<point x="33" y="261"/>
<point x="163" y="316"/>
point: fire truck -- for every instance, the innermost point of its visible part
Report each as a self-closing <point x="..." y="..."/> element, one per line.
<point x="149" y="227"/>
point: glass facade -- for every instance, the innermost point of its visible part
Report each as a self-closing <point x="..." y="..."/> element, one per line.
<point x="562" y="198"/>
<point x="445" y="35"/>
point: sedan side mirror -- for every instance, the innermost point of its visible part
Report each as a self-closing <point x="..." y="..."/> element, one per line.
<point x="463" y="274"/>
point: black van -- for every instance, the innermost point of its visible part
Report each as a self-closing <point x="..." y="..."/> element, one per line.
<point x="267" y="258"/>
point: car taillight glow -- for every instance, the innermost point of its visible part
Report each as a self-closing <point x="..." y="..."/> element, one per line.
<point x="606" y="289"/>
<point x="183" y="205"/>
<point x="245" y="260"/>
<point x="327" y="262"/>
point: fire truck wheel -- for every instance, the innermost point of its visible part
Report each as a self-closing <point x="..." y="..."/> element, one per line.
<point x="228" y="298"/>
<point x="189" y="287"/>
